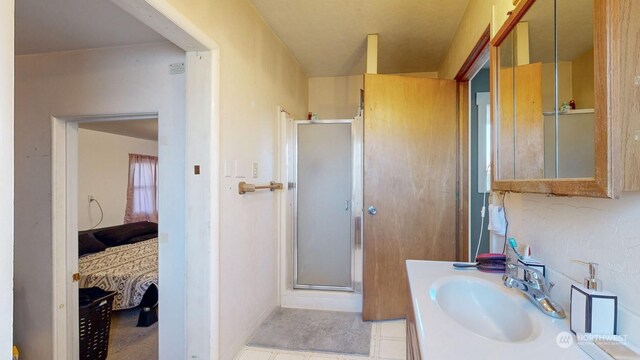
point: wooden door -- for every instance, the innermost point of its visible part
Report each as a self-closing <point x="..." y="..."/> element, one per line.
<point x="521" y="145"/>
<point x="410" y="178"/>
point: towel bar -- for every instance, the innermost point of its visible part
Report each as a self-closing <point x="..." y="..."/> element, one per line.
<point x="243" y="187"/>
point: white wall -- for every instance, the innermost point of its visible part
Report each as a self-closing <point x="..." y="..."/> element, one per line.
<point x="477" y="16"/>
<point x="338" y="97"/>
<point x="561" y="229"/>
<point x="257" y="74"/>
<point x="6" y="177"/>
<point x="121" y="80"/>
<point x="103" y="171"/>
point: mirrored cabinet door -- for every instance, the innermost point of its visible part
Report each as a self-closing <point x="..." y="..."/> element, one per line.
<point x="550" y="118"/>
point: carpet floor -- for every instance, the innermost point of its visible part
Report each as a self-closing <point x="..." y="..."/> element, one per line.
<point x="314" y="330"/>
<point x="128" y="342"/>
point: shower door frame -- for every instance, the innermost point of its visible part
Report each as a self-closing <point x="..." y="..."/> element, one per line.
<point x="352" y="207"/>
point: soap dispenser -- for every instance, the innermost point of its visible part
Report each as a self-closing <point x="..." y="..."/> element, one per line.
<point x="593" y="311"/>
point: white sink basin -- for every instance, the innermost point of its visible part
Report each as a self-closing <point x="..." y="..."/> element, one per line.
<point x="468" y="314"/>
<point x="484" y="309"/>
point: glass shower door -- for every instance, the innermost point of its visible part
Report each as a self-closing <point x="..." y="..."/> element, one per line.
<point x="323" y="255"/>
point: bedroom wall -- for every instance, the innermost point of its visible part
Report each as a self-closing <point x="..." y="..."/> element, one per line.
<point x="6" y="178"/>
<point x="120" y="80"/>
<point x="257" y="74"/>
<point x="103" y="171"/>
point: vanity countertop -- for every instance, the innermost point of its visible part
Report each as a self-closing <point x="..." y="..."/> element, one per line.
<point x="440" y="336"/>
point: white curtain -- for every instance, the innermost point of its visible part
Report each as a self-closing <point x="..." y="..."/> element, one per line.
<point x="142" y="192"/>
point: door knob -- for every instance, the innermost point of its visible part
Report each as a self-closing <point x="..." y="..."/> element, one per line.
<point x="373" y="210"/>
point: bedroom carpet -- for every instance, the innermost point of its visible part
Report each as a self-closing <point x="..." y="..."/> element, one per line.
<point x="128" y="342"/>
<point x="314" y="330"/>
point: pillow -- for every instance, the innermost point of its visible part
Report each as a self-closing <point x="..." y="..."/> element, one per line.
<point x="88" y="244"/>
<point x="120" y="235"/>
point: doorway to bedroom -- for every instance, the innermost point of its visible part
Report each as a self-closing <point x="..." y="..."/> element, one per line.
<point x="117" y="193"/>
<point x="77" y="58"/>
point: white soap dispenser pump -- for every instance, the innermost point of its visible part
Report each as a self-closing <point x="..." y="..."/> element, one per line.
<point x="593" y="311"/>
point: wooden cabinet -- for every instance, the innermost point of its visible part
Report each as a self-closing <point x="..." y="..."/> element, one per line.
<point x="413" y="347"/>
<point x="626" y="86"/>
<point x="616" y="107"/>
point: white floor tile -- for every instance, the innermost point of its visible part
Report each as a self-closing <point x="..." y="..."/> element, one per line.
<point x="289" y="356"/>
<point x="356" y="357"/>
<point x="392" y="349"/>
<point x="255" y="354"/>
<point x="375" y="330"/>
<point x="315" y="356"/>
<point x="393" y="329"/>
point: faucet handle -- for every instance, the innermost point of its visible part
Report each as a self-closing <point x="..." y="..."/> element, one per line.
<point x="533" y="276"/>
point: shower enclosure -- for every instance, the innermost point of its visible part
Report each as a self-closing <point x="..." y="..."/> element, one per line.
<point x="324" y="233"/>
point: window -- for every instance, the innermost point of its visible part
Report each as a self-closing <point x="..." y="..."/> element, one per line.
<point x="142" y="191"/>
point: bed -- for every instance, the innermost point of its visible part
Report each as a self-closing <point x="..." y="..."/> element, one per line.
<point x="123" y="259"/>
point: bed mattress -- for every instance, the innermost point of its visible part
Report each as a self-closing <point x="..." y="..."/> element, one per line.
<point x="128" y="270"/>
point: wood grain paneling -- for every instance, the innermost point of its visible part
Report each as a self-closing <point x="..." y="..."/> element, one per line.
<point x="627" y="81"/>
<point x="521" y="145"/>
<point x="463" y="198"/>
<point x="410" y="177"/>
<point x="529" y="122"/>
<point x="506" y="145"/>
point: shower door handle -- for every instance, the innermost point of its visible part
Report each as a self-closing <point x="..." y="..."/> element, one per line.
<point x="358" y="231"/>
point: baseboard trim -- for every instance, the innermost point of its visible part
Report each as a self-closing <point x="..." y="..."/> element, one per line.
<point x="239" y="344"/>
<point x="321" y="300"/>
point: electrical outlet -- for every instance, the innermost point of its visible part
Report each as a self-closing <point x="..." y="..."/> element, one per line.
<point x="254" y="169"/>
<point x="91" y="198"/>
<point x="636" y="136"/>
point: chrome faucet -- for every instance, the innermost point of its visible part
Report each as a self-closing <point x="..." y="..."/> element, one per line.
<point x="536" y="288"/>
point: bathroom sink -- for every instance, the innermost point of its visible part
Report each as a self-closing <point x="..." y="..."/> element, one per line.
<point x="470" y="314"/>
<point x="483" y="308"/>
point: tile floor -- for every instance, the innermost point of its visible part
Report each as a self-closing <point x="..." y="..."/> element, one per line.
<point x="388" y="342"/>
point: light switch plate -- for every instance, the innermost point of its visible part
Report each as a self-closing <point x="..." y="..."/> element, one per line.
<point x="237" y="169"/>
<point x="254" y="169"/>
<point x="243" y="169"/>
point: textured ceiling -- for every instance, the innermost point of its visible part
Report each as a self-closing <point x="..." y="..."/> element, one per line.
<point x="328" y="37"/>
<point x="62" y="25"/>
<point x="141" y="129"/>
